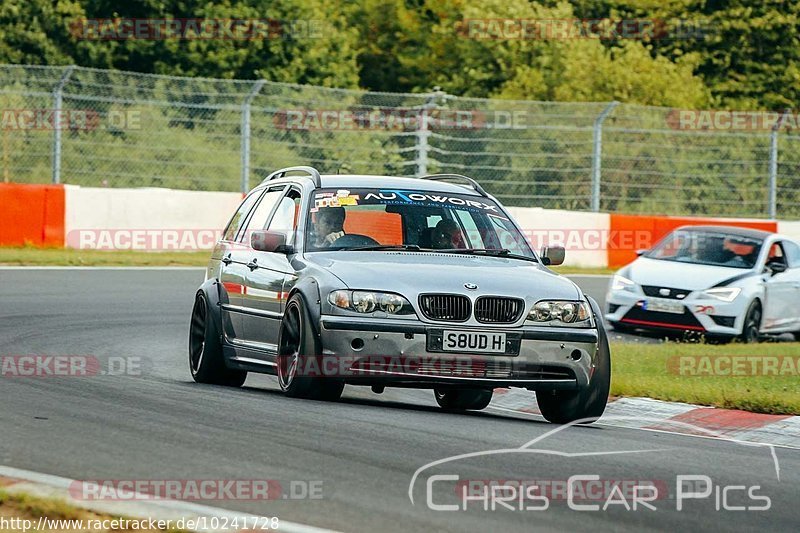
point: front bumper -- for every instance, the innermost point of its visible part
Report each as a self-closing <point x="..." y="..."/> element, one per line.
<point x="702" y="315"/>
<point x="395" y="352"/>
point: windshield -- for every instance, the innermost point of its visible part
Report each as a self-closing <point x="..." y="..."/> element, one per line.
<point x="357" y="219"/>
<point x="708" y="248"/>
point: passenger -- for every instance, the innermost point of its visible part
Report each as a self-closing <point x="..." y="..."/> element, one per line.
<point x="329" y="226"/>
<point x="447" y="235"/>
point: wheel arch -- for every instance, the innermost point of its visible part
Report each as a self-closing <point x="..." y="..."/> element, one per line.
<point x="760" y="301"/>
<point x="211" y="290"/>
<point x="598" y="314"/>
<point x="308" y="288"/>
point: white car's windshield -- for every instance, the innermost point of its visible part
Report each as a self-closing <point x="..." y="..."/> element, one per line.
<point x="708" y="248"/>
<point x="357" y="219"/>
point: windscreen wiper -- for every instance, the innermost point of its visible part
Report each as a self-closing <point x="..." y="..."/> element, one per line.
<point x="377" y="247"/>
<point x="491" y="252"/>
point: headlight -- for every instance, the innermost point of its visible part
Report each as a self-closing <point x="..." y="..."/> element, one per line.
<point x="562" y="313"/>
<point x="369" y="302"/>
<point x="621" y="283"/>
<point x="364" y="302"/>
<point x="391" y="303"/>
<point x="726" y="294"/>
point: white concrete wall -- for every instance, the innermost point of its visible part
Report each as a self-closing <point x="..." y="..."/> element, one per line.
<point x="166" y="219"/>
<point x="583" y="234"/>
<point x="146" y="219"/>
<point x="790" y="228"/>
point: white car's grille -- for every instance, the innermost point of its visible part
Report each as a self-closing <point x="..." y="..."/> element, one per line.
<point x="665" y="292"/>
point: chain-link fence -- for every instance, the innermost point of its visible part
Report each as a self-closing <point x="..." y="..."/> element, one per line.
<point x="119" y="129"/>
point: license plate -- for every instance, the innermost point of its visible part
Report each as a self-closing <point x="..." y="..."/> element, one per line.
<point x="473" y="341"/>
<point x="663" y="305"/>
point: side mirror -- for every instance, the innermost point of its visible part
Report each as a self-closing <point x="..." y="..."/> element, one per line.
<point x="552" y="255"/>
<point x="641" y="252"/>
<point x="776" y="267"/>
<point x="270" y="241"/>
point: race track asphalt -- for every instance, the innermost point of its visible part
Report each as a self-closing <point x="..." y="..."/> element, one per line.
<point x="158" y="424"/>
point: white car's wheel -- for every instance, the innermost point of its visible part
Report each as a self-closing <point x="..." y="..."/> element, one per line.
<point x="752" y="323"/>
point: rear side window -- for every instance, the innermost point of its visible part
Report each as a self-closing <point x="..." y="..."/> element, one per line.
<point x="264" y="208"/>
<point x="238" y="218"/>
<point x="285" y="218"/>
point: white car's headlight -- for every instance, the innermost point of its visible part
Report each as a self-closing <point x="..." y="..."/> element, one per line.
<point x="621" y="283"/>
<point x="371" y="301"/>
<point x="726" y="294"/>
<point x="561" y="313"/>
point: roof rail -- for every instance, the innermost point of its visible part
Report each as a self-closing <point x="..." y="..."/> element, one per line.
<point x="312" y="172"/>
<point x="469" y="181"/>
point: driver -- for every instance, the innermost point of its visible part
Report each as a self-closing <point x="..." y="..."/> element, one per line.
<point x="329" y="226"/>
<point x="447" y="235"/>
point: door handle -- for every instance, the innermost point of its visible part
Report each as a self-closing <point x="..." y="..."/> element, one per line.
<point x="253" y="264"/>
<point x="227" y="260"/>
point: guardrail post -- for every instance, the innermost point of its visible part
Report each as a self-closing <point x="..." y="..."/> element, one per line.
<point x="597" y="151"/>
<point x="245" y="133"/>
<point x="58" y="94"/>
<point x="772" y="199"/>
<point x="424" y="132"/>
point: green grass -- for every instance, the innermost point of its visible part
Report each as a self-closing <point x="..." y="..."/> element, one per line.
<point x="652" y="370"/>
<point x="26" y="506"/>
<point x="30" y="256"/>
<point x="568" y="270"/>
<point x="34" y="506"/>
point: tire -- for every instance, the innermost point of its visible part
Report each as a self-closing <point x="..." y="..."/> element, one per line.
<point x="588" y="404"/>
<point x="718" y="340"/>
<point x="621" y="328"/>
<point x="796" y="336"/>
<point x="206" y="362"/>
<point x="463" y="399"/>
<point x="298" y="342"/>
<point x="752" y="322"/>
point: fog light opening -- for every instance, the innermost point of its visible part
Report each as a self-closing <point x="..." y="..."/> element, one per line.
<point x="357" y="343"/>
<point x="576" y="355"/>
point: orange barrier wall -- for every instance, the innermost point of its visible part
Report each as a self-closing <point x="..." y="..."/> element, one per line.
<point x="386" y="228"/>
<point x="629" y="233"/>
<point x="31" y="214"/>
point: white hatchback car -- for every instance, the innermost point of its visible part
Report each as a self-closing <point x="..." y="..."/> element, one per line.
<point x="721" y="281"/>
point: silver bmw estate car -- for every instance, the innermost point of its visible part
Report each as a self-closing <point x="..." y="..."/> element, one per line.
<point x="328" y="280"/>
